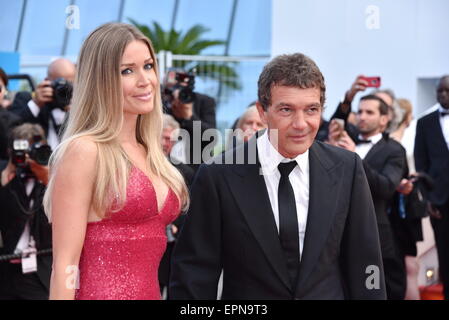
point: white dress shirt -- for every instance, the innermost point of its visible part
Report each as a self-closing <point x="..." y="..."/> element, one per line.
<point x="444" y="122"/>
<point x="269" y="159"/>
<point x="58" y="115"/>
<point x="363" y="148"/>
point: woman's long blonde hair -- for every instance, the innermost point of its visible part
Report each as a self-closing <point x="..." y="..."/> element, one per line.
<point x="97" y="112"/>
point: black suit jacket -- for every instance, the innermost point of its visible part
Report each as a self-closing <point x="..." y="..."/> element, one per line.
<point x="20" y="108"/>
<point x="385" y="165"/>
<point x="432" y="156"/>
<point x="230" y="226"/>
<point x="204" y="111"/>
<point x="13" y="220"/>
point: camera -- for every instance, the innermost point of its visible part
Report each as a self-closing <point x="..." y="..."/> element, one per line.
<point x="38" y="151"/>
<point x="182" y="81"/>
<point x="62" y="93"/>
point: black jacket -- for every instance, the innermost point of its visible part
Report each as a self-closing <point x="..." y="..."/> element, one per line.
<point x="230" y="226"/>
<point x="384" y="166"/>
<point x="432" y="156"/>
<point x="204" y="111"/>
<point x="13" y="200"/>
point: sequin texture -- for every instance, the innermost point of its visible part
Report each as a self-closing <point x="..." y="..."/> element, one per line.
<point x="121" y="253"/>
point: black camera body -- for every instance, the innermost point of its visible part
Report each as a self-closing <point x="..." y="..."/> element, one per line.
<point x="38" y="151"/>
<point x="62" y="93"/>
<point x="184" y="82"/>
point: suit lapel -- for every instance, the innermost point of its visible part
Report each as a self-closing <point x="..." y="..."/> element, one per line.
<point x="378" y="146"/>
<point x="251" y="195"/>
<point x="437" y="131"/>
<point x="323" y="177"/>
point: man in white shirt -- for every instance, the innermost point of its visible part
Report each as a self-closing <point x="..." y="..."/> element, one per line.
<point x="283" y="216"/>
<point x="432" y="157"/>
<point x="40" y="107"/>
<point x="384" y="162"/>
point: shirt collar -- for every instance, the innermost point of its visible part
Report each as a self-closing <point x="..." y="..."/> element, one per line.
<point x="374" y="139"/>
<point x="270" y="158"/>
<point x="441" y="109"/>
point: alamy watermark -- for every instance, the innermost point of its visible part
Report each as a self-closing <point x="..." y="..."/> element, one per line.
<point x="72" y="281"/>
<point x="73" y="20"/>
<point x="372" y="20"/>
<point x="373" y="279"/>
<point x="193" y="143"/>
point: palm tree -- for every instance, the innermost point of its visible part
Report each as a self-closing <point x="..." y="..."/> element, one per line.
<point x="191" y="43"/>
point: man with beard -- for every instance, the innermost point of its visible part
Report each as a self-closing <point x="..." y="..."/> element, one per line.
<point x="384" y="164"/>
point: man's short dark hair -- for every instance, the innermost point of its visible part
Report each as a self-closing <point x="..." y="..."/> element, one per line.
<point x="290" y="70"/>
<point x="383" y="107"/>
<point x="4" y="77"/>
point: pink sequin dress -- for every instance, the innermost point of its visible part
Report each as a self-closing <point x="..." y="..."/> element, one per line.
<point x="121" y="254"/>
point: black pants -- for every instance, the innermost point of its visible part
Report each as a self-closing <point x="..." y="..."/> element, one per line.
<point x="18" y="286"/>
<point x="441" y="232"/>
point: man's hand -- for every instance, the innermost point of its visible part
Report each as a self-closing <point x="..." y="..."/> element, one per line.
<point x="346" y="142"/>
<point x="40" y="171"/>
<point x="405" y="187"/>
<point x="335" y="132"/>
<point x="43" y="93"/>
<point x="8" y="173"/>
<point x="433" y="211"/>
<point x="181" y="110"/>
<point x="358" y="85"/>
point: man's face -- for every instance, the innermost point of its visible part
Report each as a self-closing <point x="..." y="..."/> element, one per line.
<point x="295" y="113"/>
<point x="370" y="121"/>
<point x="443" y="93"/>
<point x="167" y="143"/>
<point x="251" y="124"/>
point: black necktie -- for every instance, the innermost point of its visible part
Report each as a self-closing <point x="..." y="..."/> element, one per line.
<point x="444" y="113"/>
<point x="288" y="220"/>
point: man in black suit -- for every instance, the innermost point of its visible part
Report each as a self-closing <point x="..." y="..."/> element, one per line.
<point x="283" y="216"/>
<point x="40" y="107"/>
<point x="385" y="164"/>
<point x="23" y="224"/>
<point x="195" y="113"/>
<point x="432" y="157"/>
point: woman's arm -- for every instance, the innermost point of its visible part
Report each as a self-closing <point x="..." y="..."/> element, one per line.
<point x="71" y="202"/>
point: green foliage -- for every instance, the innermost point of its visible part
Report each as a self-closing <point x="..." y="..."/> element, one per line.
<point x="191" y="42"/>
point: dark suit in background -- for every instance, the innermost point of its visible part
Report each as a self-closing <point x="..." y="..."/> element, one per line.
<point x="13" y="198"/>
<point x="432" y="157"/>
<point x="204" y="111"/>
<point x="231" y="226"/>
<point x="384" y="167"/>
<point x="21" y="109"/>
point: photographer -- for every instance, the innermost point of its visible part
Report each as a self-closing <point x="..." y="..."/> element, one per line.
<point x="187" y="107"/>
<point x="24" y="227"/>
<point x="48" y="105"/>
<point x="8" y="120"/>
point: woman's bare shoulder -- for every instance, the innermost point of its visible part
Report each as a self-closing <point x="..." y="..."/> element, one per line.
<point x="79" y="158"/>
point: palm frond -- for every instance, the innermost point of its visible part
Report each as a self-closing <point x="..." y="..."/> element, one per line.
<point x="201" y="45"/>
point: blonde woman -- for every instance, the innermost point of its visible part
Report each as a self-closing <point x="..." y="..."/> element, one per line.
<point x="112" y="191"/>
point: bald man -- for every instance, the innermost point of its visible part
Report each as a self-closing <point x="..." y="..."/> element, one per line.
<point x="432" y="157"/>
<point x="40" y="107"/>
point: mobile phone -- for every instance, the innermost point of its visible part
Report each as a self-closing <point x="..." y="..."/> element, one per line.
<point x="373" y="82"/>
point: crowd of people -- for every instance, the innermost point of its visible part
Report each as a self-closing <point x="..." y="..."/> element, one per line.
<point x="110" y="191"/>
